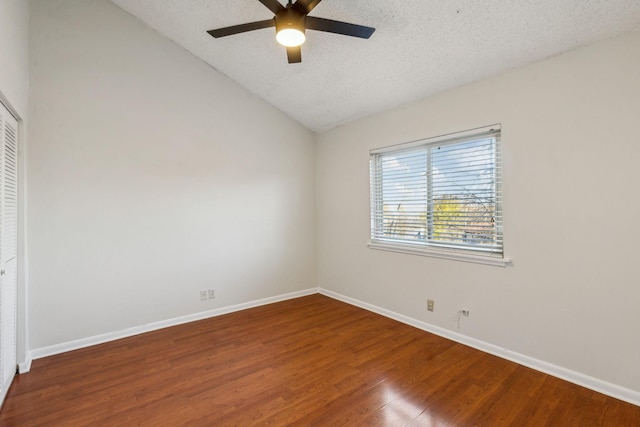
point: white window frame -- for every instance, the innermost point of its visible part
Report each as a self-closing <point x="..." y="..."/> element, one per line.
<point x="429" y="247"/>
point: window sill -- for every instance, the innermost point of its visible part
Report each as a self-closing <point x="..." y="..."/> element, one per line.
<point x="443" y="254"/>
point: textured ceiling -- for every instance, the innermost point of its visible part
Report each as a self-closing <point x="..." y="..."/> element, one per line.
<point x="420" y="47"/>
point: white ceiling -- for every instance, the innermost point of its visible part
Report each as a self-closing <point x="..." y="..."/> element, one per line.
<point x="420" y="47"/>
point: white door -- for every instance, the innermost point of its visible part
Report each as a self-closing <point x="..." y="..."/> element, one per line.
<point x="8" y="247"/>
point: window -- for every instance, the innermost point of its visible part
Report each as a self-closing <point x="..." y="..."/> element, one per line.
<point x="440" y="197"/>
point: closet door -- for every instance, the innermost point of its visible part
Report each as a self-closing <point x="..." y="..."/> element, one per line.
<point x="8" y="247"/>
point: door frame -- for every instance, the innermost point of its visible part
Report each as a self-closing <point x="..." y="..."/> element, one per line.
<point x="23" y="353"/>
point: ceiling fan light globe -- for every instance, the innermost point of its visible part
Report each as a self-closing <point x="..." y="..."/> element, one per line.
<point x="290" y="37"/>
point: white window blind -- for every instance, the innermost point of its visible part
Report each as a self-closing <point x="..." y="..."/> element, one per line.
<point x="441" y="193"/>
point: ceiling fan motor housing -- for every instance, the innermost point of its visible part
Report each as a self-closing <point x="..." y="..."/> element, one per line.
<point x="290" y="18"/>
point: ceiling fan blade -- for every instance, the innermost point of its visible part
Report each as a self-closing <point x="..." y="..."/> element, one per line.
<point x="338" y="27"/>
<point x="273" y="5"/>
<point x="306" y="6"/>
<point x="294" y="54"/>
<point x="242" y="28"/>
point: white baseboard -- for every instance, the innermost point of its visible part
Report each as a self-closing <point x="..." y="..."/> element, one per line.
<point x="578" y="378"/>
<point x="24" y="367"/>
<point x="112" y="336"/>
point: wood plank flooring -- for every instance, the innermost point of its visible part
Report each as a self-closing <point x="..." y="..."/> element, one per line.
<point x="311" y="361"/>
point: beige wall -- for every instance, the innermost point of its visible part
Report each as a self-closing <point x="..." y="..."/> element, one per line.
<point x="14" y="42"/>
<point x="571" y="209"/>
<point x="152" y="177"/>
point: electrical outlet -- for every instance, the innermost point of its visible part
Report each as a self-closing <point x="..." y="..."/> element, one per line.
<point x="203" y="295"/>
<point x="465" y="312"/>
<point x="212" y="294"/>
<point x="430" y="304"/>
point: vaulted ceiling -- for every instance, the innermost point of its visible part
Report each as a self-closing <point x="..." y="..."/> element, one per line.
<point x="420" y="47"/>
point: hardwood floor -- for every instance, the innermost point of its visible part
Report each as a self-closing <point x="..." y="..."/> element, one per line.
<point x="312" y="361"/>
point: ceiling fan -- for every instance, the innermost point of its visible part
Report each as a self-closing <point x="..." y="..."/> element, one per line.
<point x="291" y="21"/>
